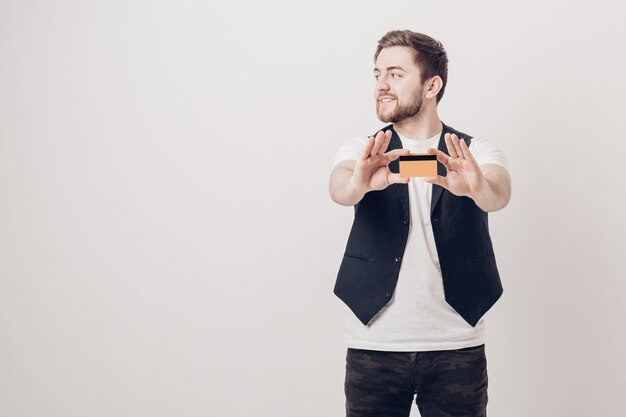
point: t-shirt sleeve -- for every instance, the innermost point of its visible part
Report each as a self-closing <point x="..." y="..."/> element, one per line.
<point x="486" y="152"/>
<point x="350" y="151"/>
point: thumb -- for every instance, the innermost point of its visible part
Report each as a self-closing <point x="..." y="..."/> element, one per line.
<point x="438" y="180"/>
<point x="395" y="154"/>
<point x="397" y="179"/>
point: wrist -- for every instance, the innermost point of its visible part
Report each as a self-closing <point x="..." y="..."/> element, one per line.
<point x="354" y="188"/>
<point x="480" y="191"/>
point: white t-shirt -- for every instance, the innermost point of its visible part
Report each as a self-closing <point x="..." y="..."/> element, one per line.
<point x="417" y="318"/>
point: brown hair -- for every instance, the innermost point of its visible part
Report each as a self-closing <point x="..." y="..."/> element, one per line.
<point x="430" y="56"/>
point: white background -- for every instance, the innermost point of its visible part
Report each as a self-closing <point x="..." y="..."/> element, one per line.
<point x="167" y="243"/>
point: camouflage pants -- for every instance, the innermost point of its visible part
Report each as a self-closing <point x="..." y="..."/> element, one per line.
<point x="450" y="383"/>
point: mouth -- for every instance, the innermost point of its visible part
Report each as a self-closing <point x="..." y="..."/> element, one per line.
<point x="386" y="100"/>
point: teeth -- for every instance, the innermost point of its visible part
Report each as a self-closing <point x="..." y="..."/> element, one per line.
<point x="386" y="100"/>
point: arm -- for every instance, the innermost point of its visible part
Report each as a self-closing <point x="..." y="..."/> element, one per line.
<point x="496" y="191"/>
<point x="351" y="180"/>
<point x="342" y="190"/>
<point x="489" y="185"/>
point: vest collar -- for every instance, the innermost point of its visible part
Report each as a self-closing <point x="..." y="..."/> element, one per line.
<point x="402" y="189"/>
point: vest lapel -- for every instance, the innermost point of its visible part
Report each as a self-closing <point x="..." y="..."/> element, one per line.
<point x="441" y="170"/>
<point x="394" y="166"/>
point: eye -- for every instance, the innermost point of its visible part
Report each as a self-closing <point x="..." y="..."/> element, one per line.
<point x="376" y="77"/>
<point x="396" y="76"/>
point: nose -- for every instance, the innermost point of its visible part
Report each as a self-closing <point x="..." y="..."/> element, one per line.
<point x="382" y="84"/>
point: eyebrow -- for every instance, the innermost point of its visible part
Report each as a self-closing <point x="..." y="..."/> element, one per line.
<point x="391" y="68"/>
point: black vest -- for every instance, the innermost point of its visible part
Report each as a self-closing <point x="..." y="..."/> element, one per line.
<point x="369" y="270"/>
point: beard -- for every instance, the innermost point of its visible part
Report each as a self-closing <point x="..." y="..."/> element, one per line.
<point x="402" y="110"/>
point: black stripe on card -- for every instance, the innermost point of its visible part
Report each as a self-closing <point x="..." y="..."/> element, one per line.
<point x="418" y="158"/>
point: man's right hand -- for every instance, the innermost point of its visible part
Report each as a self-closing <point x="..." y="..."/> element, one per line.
<point x="371" y="171"/>
<point x="351" y="180"/>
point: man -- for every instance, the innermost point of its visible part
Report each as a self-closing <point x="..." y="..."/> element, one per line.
<point x="419" y="270"/>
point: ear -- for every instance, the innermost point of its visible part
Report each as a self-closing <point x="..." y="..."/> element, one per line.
<point x="433" y="86"/>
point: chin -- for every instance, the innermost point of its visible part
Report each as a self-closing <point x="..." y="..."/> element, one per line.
<point x="385" y="117"/>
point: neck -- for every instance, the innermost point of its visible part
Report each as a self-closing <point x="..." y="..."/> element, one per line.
<point x="423" y="125"/>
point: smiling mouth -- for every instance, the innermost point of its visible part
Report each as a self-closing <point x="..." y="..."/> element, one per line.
<point x="386" y="100"/>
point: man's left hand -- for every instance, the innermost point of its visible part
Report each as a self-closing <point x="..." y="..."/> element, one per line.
<point x="464" y="176"/>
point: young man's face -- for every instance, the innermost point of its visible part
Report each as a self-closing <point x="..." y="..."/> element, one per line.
<point x="398" y="90"/>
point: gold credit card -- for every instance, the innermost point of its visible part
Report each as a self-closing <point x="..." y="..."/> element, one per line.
<point x="418" y="165"/>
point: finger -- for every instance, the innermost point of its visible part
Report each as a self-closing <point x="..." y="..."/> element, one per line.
<point x="435" y="151"/>
<point x="378" y="140"/>
<point x="466" y="152"/>
<point x="395" y="154"/>
<point x="368" y="147"/>
<point x="457" y="145"/>
<point x="397" y="179"/>
<point x="385" y="144"/>
<point x="441" y="157"/>
<point x="450" y="146"/>
<point x="438" y="180"/>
